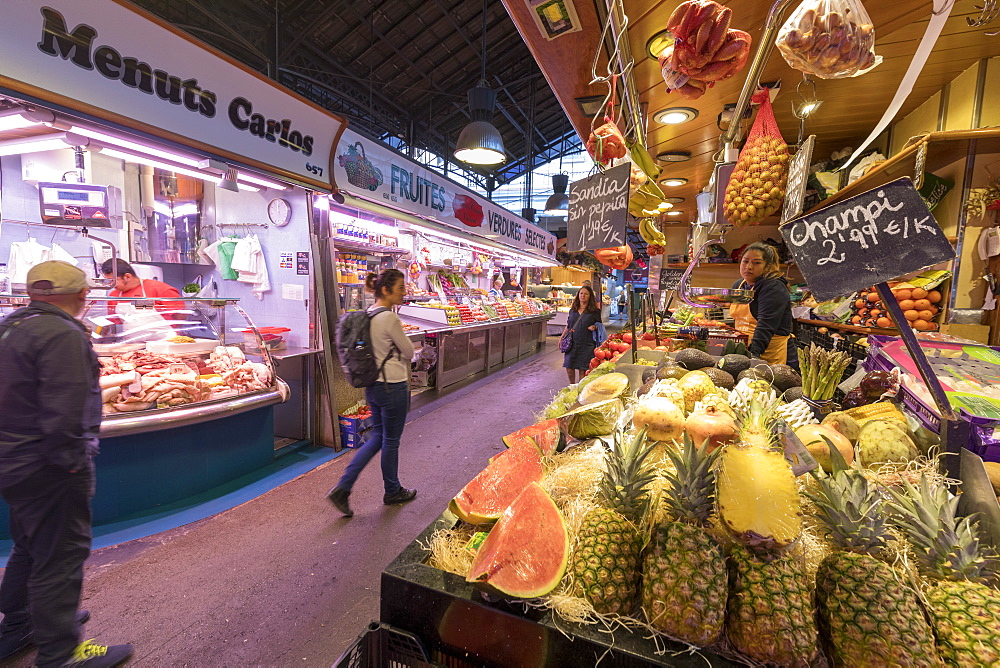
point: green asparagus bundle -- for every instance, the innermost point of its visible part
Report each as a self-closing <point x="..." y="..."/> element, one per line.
<point x="821" y="371"/>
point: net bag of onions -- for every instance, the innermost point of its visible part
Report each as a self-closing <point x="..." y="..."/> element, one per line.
<point x="757" y="186"/>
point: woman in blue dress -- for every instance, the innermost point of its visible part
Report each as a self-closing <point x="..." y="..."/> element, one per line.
<point x="583" y="318"/>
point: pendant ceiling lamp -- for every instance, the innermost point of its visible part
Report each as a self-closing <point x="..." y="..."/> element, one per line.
<point x="480" y="142"/>
<point x="558" y="202"/>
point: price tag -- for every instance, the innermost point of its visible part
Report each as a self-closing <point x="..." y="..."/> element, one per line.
<point x="670" y="279"/>
<point x="870" y="238"/>
<point x="798" y="176"/>
<point x="598" y="210"/>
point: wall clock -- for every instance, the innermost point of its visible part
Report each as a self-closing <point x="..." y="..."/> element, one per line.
<point x="279" y="211"/>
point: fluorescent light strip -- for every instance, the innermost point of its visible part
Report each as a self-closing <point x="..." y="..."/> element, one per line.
<point x="179" y="169"/>
<point x="49" y="142"/>
<point x="182" y="159"/>
<point x="13" y="120"/>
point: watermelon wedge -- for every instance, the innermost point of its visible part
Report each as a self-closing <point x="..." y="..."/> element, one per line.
<point x="546" y="436"/>
<point x="484" y="499"/>
<point x="526" y="553"/>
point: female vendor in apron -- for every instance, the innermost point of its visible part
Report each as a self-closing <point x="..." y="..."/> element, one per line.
<point x="767" y="319"/>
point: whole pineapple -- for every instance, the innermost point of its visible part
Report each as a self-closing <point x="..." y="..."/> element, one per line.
<point x="965" y="612"/>
<point x="684" y="571"/>
<point x="606" y="559"/>
<point x="867" y="616"/>
<point x="770" y="613"/>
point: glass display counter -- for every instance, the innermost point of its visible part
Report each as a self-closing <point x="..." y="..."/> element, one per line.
<point x="188" y="389"/>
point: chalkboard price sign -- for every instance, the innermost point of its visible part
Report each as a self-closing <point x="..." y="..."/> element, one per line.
<point x="798" y="176"/>
<point x="870" y="238"/>
<point x="670" y="279"/>
<point x="598" y="210"/>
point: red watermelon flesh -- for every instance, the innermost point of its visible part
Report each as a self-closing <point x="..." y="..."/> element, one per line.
<point x="525" y="554"/>
<point x="546" y="436"/>
<point x="487" y="495"/>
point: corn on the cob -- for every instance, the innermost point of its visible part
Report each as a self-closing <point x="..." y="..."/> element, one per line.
<point x="880" y="410"/>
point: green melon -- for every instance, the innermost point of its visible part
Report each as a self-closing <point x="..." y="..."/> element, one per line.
<point x="526" y="553"/>
<point x="487" y="495"/>
<point x="546" y="436"/>
<point x="593" y="419"/>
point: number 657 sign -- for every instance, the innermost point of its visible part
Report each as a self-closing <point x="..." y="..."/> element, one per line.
<point x="870" y="238"/>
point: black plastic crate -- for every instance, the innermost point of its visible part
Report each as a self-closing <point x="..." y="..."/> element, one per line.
<point x="382" y="646"/>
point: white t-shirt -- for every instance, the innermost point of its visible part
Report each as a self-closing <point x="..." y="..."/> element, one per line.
<point x="386" y="330"/>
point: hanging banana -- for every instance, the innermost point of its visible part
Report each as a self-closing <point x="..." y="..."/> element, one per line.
<point x="650" y="233"/>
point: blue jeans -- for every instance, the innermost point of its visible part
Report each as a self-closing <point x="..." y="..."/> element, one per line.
<point x="389" y="403"/>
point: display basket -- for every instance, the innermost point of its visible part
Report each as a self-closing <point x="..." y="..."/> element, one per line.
<point x="381" y="645"/>
<point x="360" y="170"/>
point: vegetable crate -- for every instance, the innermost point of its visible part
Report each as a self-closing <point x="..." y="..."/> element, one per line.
<point x="986" y="444"/>
<point x="717" y="340"/>
<point x="382" y="645"/>
<point x="355" y="423"/>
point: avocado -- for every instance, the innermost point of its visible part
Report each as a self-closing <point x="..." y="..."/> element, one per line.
<point x="785" y="377"/>
<point x="720" y="377"/>
<point x="646" y="387"/>
<point x="672" y="371"/>
<point x="648" y="374"/>
<point x="792" y="394"/>
<point x="755" y="373"/>
<point x="693" y="359"/>
<point x="733" y="364"/>
<point x="756" y="361"/>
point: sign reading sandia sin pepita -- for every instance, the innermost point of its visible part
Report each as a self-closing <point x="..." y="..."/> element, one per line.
<point x="375" y="172"/>
<point x="116" y="62"/>
<point x="870" y="238"/>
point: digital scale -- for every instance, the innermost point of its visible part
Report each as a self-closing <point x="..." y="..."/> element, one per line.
<point x="80" y="205"/>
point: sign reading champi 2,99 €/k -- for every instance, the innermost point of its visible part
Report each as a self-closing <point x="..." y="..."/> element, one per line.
<point x="870" y="238"/>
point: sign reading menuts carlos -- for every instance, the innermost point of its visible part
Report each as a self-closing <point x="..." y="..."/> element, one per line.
<point x="375" y="172"/>
<point x="117" y="62"/>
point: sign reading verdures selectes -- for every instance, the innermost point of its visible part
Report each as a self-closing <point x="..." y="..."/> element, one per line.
<point x="598" y="210"/>
<point x="870" y="238"/>
<point x="670" y="279"/>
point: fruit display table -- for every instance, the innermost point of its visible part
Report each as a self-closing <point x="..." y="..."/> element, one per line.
<point x="454" y="620"/>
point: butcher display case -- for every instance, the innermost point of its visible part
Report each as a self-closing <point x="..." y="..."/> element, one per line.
<point x="189" y="389"/>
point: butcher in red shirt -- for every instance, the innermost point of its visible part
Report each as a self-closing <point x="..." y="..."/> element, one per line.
<point x="129" y="285"/>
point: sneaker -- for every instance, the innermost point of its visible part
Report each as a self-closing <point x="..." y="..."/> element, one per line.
<point x="402" y="496"/>
<point x="89" y="654"/>
<point x="12" y="643"/>
<point x="338" y="497"/>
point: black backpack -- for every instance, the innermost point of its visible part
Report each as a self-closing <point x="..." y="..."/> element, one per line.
<point x="354" y="348"/>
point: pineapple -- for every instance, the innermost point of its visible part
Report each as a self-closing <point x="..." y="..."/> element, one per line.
<point x="684" y="573"/>
<point x="965" y="612"/>
<point x="867" y="616"/>
<point x="770" y="616"/>
<point x="606" y="559"/>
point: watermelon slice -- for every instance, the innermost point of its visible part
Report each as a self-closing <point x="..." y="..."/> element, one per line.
<point x="484" y="499"/>
<point x="526" y="553"/>
<point x="546" y="436"/>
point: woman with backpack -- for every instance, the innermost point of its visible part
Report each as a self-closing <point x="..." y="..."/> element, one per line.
<point x="388" y="397"/>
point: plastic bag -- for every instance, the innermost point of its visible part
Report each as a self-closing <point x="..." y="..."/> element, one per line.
<point x="606" y="143"/>
<point x="831" y="39"/>
<point x="757" y="186"/>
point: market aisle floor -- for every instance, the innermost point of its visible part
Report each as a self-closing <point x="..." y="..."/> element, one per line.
<point x="283" y="580"/>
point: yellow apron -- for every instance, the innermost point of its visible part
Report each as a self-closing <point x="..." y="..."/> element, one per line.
<point x="745" y="323"/>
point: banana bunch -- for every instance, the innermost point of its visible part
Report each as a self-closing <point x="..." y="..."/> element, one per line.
<point x="645" y="200"/>
<point x="650" y="233"/>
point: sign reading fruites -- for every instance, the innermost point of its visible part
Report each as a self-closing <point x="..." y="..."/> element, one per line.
<point x="598" y="210"/>
<point x="870" y="238"/>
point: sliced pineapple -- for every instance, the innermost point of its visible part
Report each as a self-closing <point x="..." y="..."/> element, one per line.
<point x="758" y="498"/>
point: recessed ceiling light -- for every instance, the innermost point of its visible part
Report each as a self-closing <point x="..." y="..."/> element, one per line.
<point x="674" y="156"/>
<point x="675" y="213"/>
<point x="675" y="115"/>
<point x="673" y="181"/>
<point x="658" y="43"/>
<point x="673" y="200"/>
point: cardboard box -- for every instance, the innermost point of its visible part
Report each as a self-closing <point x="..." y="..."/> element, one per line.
<point x="353" y="431"/>
<point x="419" y="378"/>
<point x="980" y="333"/>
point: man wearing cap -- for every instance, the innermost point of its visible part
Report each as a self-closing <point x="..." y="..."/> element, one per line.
<point x="48" y="436"/>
